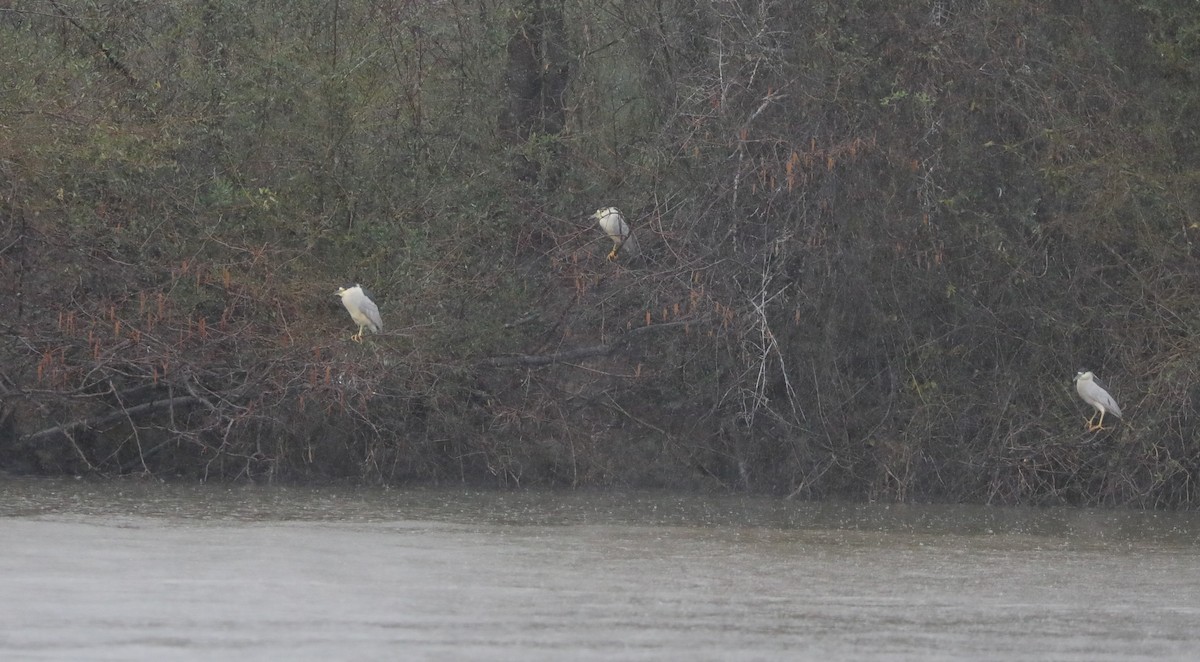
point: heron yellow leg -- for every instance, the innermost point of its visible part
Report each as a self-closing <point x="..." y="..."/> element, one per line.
<point x="1097" y="426"/>
<point x="612" y="255"/>
<point x="358" y="336"/>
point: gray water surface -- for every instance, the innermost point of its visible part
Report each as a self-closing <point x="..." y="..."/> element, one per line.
<point x="144" y="571"/>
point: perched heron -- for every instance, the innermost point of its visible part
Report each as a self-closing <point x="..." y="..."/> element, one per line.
<point x="1093" y="393"/>
<point x="614" y="225"/>
<point x="362" y="310"/>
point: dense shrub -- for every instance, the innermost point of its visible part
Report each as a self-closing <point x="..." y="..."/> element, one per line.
<point x="878" y="238"/>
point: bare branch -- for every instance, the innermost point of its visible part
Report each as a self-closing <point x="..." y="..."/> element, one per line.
<point x="603" y="349"/>
<point x="68" y="429"/>
<point x="108" y="54"/>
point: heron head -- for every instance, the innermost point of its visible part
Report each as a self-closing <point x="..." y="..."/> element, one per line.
<point x="344" y="290"/>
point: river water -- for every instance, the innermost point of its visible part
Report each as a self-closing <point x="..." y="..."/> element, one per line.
<point x="146" y="571"/>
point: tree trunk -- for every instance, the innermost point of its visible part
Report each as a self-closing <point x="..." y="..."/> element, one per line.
<point x="535" y="83"/>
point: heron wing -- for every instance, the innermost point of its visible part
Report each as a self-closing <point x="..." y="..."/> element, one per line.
<point x="371" y="311"/>
<point x="1098" y="395"/>
<point x="629" y="247"/>
<point x="613" y="224"/>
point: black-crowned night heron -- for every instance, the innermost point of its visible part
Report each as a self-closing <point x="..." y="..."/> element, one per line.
<point x="1093" y="393"/>
<point x="614" y="225"/>
<point x="362" y="310"/>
